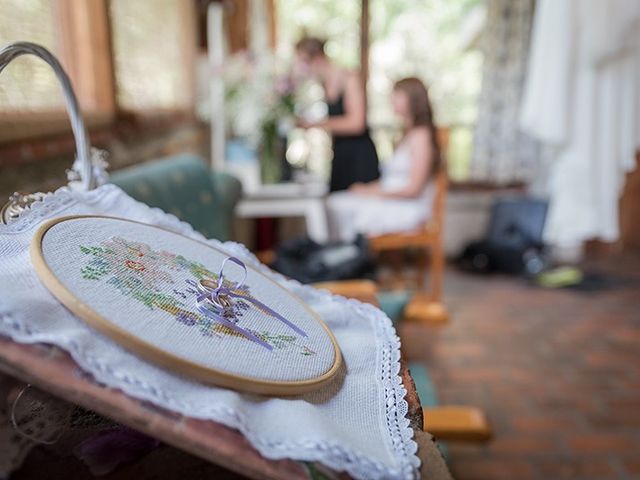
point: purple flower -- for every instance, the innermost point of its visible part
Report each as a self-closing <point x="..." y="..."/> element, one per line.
<point x="284" y="86"/>
<point x="188" y="318"/>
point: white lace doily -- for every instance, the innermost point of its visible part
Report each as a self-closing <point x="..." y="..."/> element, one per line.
<point x="359" y="426"/>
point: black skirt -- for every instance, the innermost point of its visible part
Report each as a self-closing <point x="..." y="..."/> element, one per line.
<point x="354" y="160"/>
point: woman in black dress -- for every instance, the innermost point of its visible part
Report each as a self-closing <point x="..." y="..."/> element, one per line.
<point x="354" y="155"/>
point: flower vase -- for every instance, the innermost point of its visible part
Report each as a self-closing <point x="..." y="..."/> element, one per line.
<point x="272" y="152"/>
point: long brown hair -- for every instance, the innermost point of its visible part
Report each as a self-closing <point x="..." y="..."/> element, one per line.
<point x="421" y="112"/>
<point x="312" y="46"/>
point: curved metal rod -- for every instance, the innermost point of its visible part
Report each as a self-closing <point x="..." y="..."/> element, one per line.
<point x="83" y="149"/>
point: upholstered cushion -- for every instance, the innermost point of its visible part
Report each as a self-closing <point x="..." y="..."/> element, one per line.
<point x="424" y="384"/>
<point x="184" y="186"/>
<point x="393" y="303"/>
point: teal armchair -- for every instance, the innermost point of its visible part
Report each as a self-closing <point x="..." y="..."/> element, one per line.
<point x="184" y="186"/>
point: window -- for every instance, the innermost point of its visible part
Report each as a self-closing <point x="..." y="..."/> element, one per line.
<point x="149" y="44"/>
<point x="407" y="37"/>
<point x="422" y="39"/>
<point x="337" y="21"/>
<point x="28" y="84"/>
<point x="145" y="63"/>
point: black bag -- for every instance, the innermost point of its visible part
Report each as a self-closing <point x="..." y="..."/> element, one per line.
<point x="309" y="262"/>
<point x="514" y="241"/>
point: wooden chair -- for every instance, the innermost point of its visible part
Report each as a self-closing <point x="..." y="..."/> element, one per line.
<point x="426" y="305"/>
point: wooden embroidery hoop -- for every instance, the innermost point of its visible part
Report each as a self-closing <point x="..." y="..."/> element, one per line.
<point x="162" y="357"/>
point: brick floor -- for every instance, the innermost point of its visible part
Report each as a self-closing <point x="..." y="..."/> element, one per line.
<point x="558" y="373"/>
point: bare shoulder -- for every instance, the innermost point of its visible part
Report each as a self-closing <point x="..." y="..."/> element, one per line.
<point x="419" y="137"/>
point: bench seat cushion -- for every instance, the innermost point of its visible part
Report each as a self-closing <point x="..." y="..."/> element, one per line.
<point x="183" y="186"/>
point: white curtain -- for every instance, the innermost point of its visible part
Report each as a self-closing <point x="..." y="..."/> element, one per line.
<point x="582" y="101"/>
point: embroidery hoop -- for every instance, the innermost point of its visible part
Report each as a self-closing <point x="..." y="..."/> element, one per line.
<point x="155" y="353"/>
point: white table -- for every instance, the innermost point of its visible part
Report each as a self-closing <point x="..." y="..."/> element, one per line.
<point x="289" y="200"/>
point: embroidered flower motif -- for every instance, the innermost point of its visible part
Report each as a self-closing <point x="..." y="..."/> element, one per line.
<point x="135" y="265"/>
<point x="144" y="274"/>
<point x="188" y="318"/>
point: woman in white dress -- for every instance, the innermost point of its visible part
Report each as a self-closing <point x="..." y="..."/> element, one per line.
<point x="402" y="198"/>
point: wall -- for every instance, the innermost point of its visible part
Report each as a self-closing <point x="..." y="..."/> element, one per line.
<point x="40" y="164"/>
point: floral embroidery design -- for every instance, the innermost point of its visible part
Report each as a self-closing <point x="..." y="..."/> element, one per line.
<point x="144" y="274"/>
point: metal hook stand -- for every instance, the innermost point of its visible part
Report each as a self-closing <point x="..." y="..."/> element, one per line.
<point x="20" y="202"/>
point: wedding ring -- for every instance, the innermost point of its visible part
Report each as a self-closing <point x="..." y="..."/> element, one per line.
<point x="210" y="290"/>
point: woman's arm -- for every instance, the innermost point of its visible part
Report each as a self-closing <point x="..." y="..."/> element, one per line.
<point x="353" y="121"/>
<point x="369" y="188"/>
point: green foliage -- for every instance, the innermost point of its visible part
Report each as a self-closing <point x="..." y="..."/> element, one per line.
<point x="156" y="299"/>
<point x="278" y="341"/>
<point x="97" y="251"/>
<point x="97" y="267"/>
<point x="94" y="272"/>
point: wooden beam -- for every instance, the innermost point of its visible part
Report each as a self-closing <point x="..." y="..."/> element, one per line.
<point x="273" y="23"/>
<point x="236" y="15"/>
<point x="630" y="210"/>
<point x="86" y="52"/>
<point x="628" y="214"/>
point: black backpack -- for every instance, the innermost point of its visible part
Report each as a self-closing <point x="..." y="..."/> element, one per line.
<point x="309" y="262"/>
<point x="513" y="243"/>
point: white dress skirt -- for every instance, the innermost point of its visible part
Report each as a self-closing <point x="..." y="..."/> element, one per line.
<point x="350" y="214"/>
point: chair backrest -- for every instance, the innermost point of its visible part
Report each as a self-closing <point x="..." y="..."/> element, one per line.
<point x="442" y="183"/>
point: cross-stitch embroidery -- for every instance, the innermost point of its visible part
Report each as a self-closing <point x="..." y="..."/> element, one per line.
<point x="139" y="272"/>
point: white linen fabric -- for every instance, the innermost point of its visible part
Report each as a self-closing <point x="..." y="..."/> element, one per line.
<point x="582" y="100"/>
<point x="350" y="214"/>
<point x="357" y="424"/>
